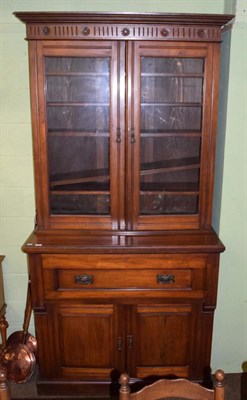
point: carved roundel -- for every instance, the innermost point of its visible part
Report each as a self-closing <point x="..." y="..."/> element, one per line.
<point x="85" y="31"/>
<point x="164" y="32"/>
<point x="125" y="31"/>
<point x="45" y="30"/>
<point x="201" y="33"/>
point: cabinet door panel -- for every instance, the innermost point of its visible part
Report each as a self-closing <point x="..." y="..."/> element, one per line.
<point x="169" y="115"/>
<point x="81" y="134"/>
<point x="89" y="340"/>
<point x="164" y="335"/>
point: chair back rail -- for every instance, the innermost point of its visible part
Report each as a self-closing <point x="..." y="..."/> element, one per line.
<point x="175" y="388"/>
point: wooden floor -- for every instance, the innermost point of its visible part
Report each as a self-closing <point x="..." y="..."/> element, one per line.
<point x="235" y="386"/>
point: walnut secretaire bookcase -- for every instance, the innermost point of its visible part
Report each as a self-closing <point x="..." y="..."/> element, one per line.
<point x="123" y="261"/>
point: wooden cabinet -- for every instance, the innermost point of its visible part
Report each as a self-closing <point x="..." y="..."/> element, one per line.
<point x="123" y="261"/>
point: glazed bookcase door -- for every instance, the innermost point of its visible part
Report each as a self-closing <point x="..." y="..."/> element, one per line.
<point x="81" y="133"/>
<point x="170" y="133"/>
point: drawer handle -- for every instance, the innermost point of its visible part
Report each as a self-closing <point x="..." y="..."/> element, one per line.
<point x="165" y="279"/>
<point x="84" y="279"/>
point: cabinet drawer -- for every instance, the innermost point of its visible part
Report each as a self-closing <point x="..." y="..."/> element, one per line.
<point x="118" y="279"/>
<point x="64" y="282"/>
<point x="68" y="276"/>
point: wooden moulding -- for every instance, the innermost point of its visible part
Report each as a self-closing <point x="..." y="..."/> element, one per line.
<point x="129" y="26"/>
<point x="76" y="241"/>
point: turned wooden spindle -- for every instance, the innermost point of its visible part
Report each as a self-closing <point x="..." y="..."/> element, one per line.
<point x="219" y="384"/>
<point x="4" y="385"/>
<point x="124" y="390"/>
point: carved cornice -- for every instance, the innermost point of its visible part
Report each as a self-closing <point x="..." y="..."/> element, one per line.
<point x="116" y="26"/>
<point x="130" y="32"/>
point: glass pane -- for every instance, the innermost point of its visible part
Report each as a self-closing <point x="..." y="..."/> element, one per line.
<point x="161" y="204"/>
<point x="78" y="119"/>
<point x="84" y="119"/>
<point x="79" y="88"/>
<point x="80" y="204"/>
<point x="171" y="115"/>
<point x="55" y="65"/>
<point x="173" y="89"/>
<point x="159" y="118"/>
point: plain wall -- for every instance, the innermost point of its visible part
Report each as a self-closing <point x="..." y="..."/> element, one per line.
<point x="17" y="208"/>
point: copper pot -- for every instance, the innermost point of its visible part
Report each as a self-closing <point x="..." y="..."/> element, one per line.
<point x="18" y="359"/>
<point x="19" y="362"/>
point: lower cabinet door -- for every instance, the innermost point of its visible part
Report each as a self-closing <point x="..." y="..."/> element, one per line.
<point x="162" y="339"/>
<point x="89" y="341"/>
<point x="96" y="342"/>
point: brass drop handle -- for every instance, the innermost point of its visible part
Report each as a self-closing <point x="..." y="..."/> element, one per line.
<point x="119" y="343"/>
<point x="132" y="136"/>
<point x="164" y="278"/>
<point x="118" y="139"/>
<point x="84" y="279"/>
<point x="130" y="341"/>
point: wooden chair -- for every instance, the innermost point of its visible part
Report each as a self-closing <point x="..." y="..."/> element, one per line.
<point x="175" y="388"/>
